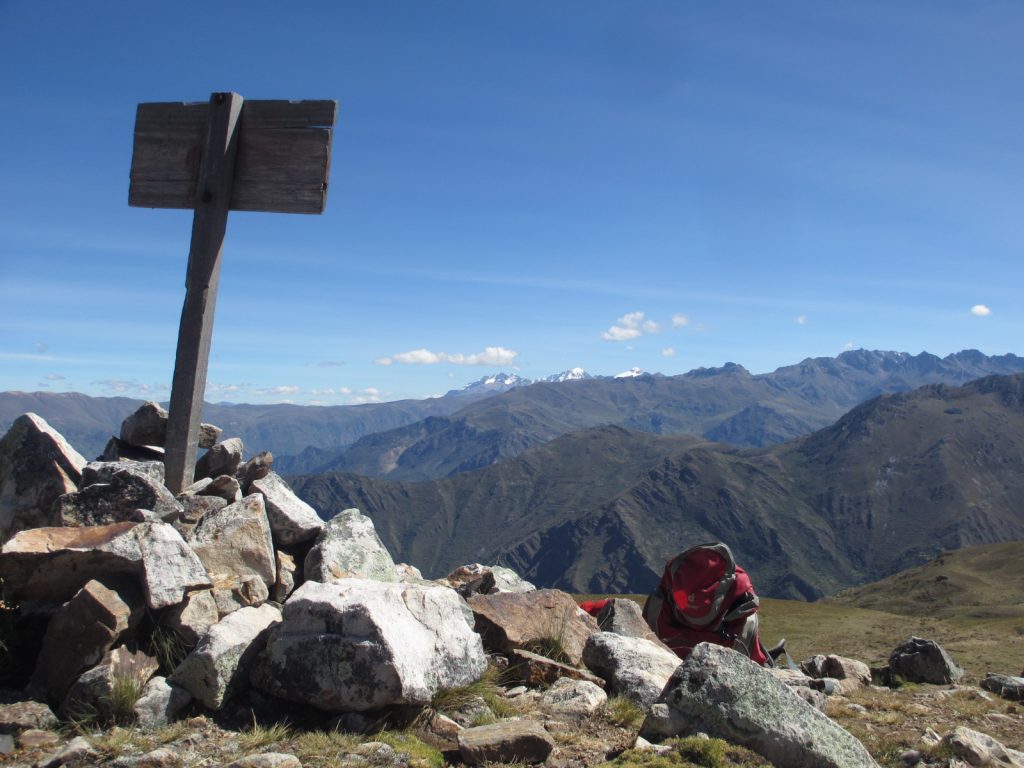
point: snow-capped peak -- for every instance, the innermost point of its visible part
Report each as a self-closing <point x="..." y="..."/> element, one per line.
<point x="573" y="374"/>
<point x="632" y="373"/>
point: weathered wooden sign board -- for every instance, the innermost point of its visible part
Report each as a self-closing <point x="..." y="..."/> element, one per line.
<point x="214" y="157"/>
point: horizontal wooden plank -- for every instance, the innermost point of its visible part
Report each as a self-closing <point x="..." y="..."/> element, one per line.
<point x="283" y="155"/>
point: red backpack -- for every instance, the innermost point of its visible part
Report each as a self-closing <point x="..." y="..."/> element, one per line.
<point x="704" y="597"/>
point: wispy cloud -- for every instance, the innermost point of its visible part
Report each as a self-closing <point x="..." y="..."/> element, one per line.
<point x="668" y="352"/>
<point x="330" y="363"/>
<point x="496" y="356"/>
<point x="630" y="326"/>
<point x="283" y="389"/>
<point x="801" y="319"/>
<point x="980" y="310"/>
<point x="129" y="387"/>
<point x="680" y="321"/>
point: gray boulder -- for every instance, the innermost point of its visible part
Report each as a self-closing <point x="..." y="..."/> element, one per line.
<point x="103" y="471"/>
<point x="117" y="500"/>
<point x="222" y="459"/>
<point x="292" y="520"/>
<point x="26" y="715"/>
<point x="147" y="426"/>
<point x="349" y="547"/>
<point x="160" y="703"/>
<point x="1008" y="686"/>
<point x="359" y="644"/>
<point x="50" y="565"/>
<point x="722" y="693"/>
<point x="572" y="698"/>
<point x="633" y="667"/>
<point x="923" y="661"/>
<point x="978" y="748"/>
<point x="219" y="665"/>
<point x="37" y="466"/>
<point x="193" y="616"/>
<point x="624" y="617"/>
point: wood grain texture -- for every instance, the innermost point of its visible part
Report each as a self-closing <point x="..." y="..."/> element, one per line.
<point x="283" y="157"/>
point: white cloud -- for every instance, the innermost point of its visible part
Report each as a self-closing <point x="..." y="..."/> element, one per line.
<point x="616" y="333"/>
<point x="630" y="326"/>
<point x="679" y="321"/>
<point x="54" y="377"/>
<point x="801" y="319"/>
<point x="283" y="389"/>
<point x="668" y="352"/>
<point x="367" y="395"/>
<point x="980" y="310"/>
<point x="848" y="346"/>
<point x="344" y="390"/>
<point x="496" y="356"/>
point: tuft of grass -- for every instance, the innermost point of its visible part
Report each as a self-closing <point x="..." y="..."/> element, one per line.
<point x="415" y="752"/>
<point x="168" y="647"/>
<point x="258" y="736"/>
<point x="322" y="749"/>
<point x="488" y="688"/>
<point x="623" y="712"/>
<point x="119" y="705"/>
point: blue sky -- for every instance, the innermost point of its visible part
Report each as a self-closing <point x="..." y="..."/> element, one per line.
<point x="522" y="187"/>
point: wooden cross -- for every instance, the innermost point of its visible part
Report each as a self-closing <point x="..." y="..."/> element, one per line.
<point x="227" y="154"/>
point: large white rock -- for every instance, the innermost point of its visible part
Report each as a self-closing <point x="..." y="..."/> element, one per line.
<point x="292" y="520"/>
<point x="349" y="547"/>
<point x="221" y="661"/>
<point x="359" y="645"/>
<point x="37" y="466"/>
<point x="633" y="667"/>
<point x="722" y="693"/>
<point x="52" y="564"/>
<point x="235" y="546"/>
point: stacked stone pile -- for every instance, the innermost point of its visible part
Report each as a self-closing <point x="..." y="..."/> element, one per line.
<point x="236" y="595"/>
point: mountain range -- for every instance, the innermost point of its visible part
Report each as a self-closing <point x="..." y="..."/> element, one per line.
<point x="889" y="485"/>
<point x="726" y="404"/>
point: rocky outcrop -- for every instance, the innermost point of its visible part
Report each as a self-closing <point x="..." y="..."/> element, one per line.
<point x="37" y="466"/>
<point x="360" y="644"/>
<point x="119" y="499"/>
<point x="223" y="458"/>
<point x="722" y="693"/>
<point x="90" y="698"/>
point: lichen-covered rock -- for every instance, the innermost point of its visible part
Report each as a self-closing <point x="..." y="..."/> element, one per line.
<point x="37" y="466"/>
<point x="292" y="521"/>
<point x="219" y="665"/>
<point x="360" y="644"/>
<point x="349" y="547"/>
<point x="50" y="565"/>
<point x="1008" y="686"/>
<point x="981" y="749"/>
<point x="285" y="583"/>
<point x="26" y="715"/>
<point x="722" y="693"/>
<point x="103" y="471"/>
<point x="193" y="616"/>
<point x="624" y="617"/>
<point x="117" y="500"/>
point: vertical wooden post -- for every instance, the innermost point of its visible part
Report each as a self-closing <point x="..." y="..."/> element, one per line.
<point x="213" y="199"/>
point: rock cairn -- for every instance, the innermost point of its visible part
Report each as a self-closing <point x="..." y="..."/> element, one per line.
<point x="237" y="594"/>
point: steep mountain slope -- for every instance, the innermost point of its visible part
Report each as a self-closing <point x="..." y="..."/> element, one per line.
<point x="892" y="483"/>
<point x="725" y="404"/>
<point x="984" y="582"/>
